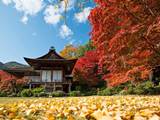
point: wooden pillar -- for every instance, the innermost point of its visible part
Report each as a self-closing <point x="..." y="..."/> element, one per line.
<point x="30" y="86"/>
<point x="45" y="86"/>
<point x="69" y="88"/>
<point x="54" y="87"/>
<point x="51" y="75"/>
<point x="41" y="75"/>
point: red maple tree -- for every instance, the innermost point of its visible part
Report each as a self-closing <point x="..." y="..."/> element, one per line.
<point x="126" y="34"/>
<point x="9" y="81"/>
<point x="87" y="69"/>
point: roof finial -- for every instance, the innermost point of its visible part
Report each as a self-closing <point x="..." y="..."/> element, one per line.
<point x="52" y="48"/>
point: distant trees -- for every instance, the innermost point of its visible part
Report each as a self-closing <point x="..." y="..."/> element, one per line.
<point x="69" y="52"/>
<point x="82" y="49"/>
<point x="72" y="52"/>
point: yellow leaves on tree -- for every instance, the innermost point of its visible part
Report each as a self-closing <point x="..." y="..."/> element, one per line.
<point x="69" y="52"/>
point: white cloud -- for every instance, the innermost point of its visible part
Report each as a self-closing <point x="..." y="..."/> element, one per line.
<point x="82" y="17"/>
<point x="28" y="7"/>
<point x="65" y="32"/>
<point x="7" y="2"/>
<point x="52" y="15"/>
<point x="24" y="19"/>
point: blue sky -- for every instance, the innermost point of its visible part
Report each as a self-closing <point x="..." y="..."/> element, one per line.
<point x="28" y="28"/>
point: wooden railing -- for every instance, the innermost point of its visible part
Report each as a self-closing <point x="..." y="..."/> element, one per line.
<point x="64" y="82"/>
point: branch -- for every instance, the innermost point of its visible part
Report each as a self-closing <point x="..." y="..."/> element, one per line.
<point x="134" y="16"/>
<point x="151" y="45"/>
<point x="147" y="7"/>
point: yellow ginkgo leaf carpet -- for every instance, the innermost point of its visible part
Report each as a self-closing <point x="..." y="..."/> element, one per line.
<point x="83" y="108"/>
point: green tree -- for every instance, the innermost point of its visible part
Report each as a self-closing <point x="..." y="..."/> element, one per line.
<point x="84" y="48"/>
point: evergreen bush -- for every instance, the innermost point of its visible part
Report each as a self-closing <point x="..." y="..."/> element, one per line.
<point x="105" y="92"/>
<point x="38" y="90"/>
<point x="43" y="94"/>
<point x="3" y="94"/>
<point x="57" y="94"/>
<point x="74" y="93"/>
<point x="26" y="93"/>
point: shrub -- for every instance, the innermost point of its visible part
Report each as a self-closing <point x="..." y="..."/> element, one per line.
<point x="92" y="91"/>
<point x="18" y="94"/>
<point x="148" y="84"/>
<point x="74" y="93"/>
<point x="104" y="92"/>
<point x="57" y="94"/>
<point x="36" y="94"/>
<point x="78" y="88"/>
<point x="154" y="90"/>
<point x="26" y="93"/>
<point x="139" y="90"/>
<point x="42" y="94"/>
<point x="116" y="90"/>
<point x="123" y="92"/>
<point x="12" y="95"/>
<point x="130" y="89"/>
<point x="89" y="93"/>
<point x="143" y="88"/>
<point x="111" y="91"/>
<point x="3" y="94"/>
<point x="38" y="90"/>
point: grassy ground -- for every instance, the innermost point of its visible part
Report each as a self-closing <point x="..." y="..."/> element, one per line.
<point x="81" y="108"/>
<point x="4" y="100"/>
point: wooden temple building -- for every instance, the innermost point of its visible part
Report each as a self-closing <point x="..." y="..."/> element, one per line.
<point x="50" y="71"/>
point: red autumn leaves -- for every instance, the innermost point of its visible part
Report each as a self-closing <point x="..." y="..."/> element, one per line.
<point x="87" y="68"/>
<point x="126" y="34"/>
<point x="6" y="80"/>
